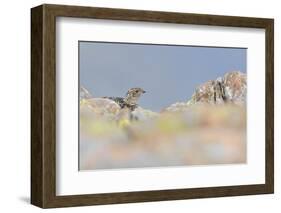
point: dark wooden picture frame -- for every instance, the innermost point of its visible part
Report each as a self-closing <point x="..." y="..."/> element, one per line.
<point x="43" y="105"/>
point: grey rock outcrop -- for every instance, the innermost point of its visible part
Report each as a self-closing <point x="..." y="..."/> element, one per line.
<point x="231" y="88"/>
<point x="235" y="87"/>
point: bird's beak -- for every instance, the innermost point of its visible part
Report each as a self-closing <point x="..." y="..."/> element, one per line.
<point x="143" y="91"/>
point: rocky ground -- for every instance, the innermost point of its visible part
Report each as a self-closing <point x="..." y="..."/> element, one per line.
<point x="210" y="128"/>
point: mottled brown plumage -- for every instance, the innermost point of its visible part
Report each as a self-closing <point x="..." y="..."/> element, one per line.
<point x="131" y="99"/>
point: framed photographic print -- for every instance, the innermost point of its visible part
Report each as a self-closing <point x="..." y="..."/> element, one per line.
<point x="135" y="106"/>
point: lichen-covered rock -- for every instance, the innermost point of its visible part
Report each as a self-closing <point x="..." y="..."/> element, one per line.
<point x="231" y="88"/>
<point x="205" y="92"/>
<point x="84" y="93"/>
<point x="235" y="87"/>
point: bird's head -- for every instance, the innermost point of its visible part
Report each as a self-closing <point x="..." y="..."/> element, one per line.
<point x="133" y="95"/>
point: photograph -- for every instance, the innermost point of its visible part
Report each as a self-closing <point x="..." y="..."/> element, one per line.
<point x="160" y="105"/>
<point x="170" y="105"/>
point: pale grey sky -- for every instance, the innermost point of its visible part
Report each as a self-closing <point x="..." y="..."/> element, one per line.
<point x="168" y="73"/>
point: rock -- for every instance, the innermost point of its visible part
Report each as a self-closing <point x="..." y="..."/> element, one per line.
<point x="231" y="88"/>
<point x="143" y="114"/>
<point x="235" y="86"/>
<point x="204" y="93"/>
<point x="104" y="108"/>
<point x="100" y="107"/>
<point x="84" y="93"/>
<point x="123" y="117"/>
<point x="203" y="135"/>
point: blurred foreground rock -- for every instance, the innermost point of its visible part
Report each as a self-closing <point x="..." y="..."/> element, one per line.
<point x="143" y="114"/>
<point x="201" y="135"/>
